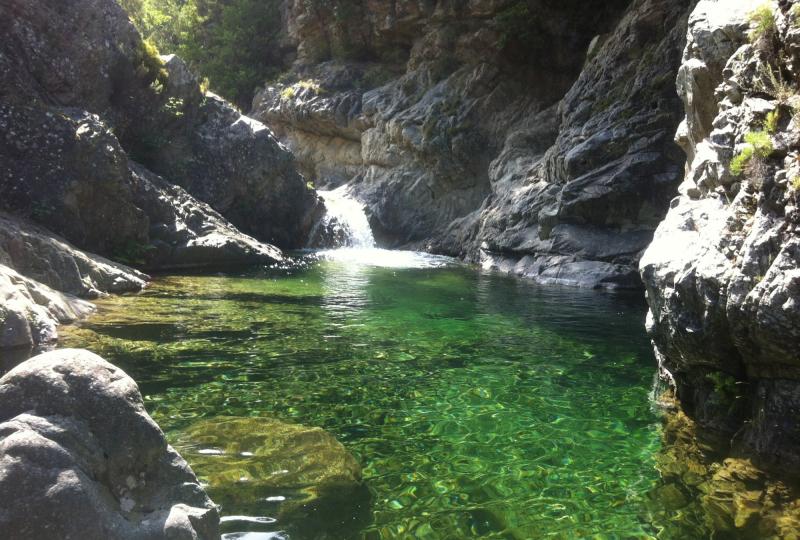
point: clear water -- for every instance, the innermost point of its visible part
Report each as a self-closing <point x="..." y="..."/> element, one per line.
<point x="478" y="406"/>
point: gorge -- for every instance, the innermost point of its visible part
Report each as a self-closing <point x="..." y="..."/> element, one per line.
<point x="328" y="335"/>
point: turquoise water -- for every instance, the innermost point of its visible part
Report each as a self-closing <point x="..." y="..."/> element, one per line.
<point x="477" y="405"/>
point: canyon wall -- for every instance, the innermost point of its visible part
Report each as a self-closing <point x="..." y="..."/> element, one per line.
<point x="723" y="273"/>
<point x="530" y="136"/>
<point x="109" y="151"/>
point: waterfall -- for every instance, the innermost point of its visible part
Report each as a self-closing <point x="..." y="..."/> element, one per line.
<point x="346" y="226"/>
<point x="346" y="219"/>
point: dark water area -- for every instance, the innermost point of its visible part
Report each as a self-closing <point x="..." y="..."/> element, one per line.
<point x="477" y="405"/>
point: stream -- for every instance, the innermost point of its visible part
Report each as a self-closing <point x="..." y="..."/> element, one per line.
<point x="476" y="405"/>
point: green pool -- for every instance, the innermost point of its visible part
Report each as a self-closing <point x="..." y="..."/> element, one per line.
<point x="478" y="406"/>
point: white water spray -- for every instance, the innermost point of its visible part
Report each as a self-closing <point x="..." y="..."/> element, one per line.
<point x="348" y="222"/>
<point x="347" y="219"/>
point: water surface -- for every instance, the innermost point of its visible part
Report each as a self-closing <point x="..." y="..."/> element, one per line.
<point x="478" y="406"/>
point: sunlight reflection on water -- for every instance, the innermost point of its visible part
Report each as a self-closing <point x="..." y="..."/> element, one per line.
<point x="385" y="258"/>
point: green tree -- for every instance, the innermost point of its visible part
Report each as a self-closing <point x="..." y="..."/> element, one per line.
<point x="232" y="42"/>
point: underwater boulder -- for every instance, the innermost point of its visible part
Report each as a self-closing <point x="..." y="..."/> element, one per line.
<point x="291" y="477"/>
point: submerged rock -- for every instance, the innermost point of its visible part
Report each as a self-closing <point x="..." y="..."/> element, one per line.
<point x="81" y="458"/>
<point x="299" y="475"/>
<point x="730" y="496"/>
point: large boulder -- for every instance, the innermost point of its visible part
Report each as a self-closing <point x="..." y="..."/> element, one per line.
<point x="187" y="233"/>
<point x="30" y="311"/>
<point x="81" y="93"/>
<point x="41" y="278"/>
<point x="723" y="271"/>
<point x="237" y="166"/>
<point x="301" y="476"/>
<point x="81" y="458"/>
<point x="36" y="253"/>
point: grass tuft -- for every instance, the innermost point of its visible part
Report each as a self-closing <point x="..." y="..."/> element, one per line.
<point x="763" y="22"/>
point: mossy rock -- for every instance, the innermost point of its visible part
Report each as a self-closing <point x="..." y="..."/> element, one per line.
<point x="301" y="476"/>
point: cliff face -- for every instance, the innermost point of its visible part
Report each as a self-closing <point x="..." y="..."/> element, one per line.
<point x="723" y="273"/>
<point x="531" y="136"/>
<point x="109" y="148"/>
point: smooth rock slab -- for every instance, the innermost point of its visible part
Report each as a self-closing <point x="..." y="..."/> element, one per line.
<point x="80" y="458"/>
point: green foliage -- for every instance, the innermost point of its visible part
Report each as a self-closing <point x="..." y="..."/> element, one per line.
<point x="772" y="120"/>
<point x="796" y="182"/>
<point x="515" y="24"/>
<point x="174" y="107"/>
<point x="764" y="23"/>
<point x="132" y="253"/>
<point x="288" y="93"/>
<point x="308" y="84"/>
<point x="148" y="63"/>
<point x="771" y="82"/>
<point x="741" y="160"/>
<point x="761" y="143"/>
<point x="758" y="145"/>
<point x="234" y="43"/>
<point x="725" y="386"/>
<point x="795" y="14"/>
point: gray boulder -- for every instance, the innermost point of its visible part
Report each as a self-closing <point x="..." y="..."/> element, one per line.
<point x="30" y="311"/>
<point x="36" y="253"/>
<point x="81" y="458"/>
<point x="187" y="233"/>
<point x="41" y="278"/>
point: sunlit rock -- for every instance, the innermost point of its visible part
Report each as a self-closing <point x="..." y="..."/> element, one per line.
<point x="81" y="458"/>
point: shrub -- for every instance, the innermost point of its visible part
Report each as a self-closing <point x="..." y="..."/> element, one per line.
<point x="310" y="84"/>
<point x="149" y="65"/>
<point x="740" y="161"/>
<point x="771" y="121"/>
<point x="761" y="143"/>
<point x="758" y="145"/>
<point x="796" y="182"/>
<point x="288" y="93"/>
<point x="764" y="23"/>
<point x="771" y="82"/>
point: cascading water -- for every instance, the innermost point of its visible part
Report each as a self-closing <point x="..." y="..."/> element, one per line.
<point x="346" y="224"/>
<point x="346" y="219"/>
